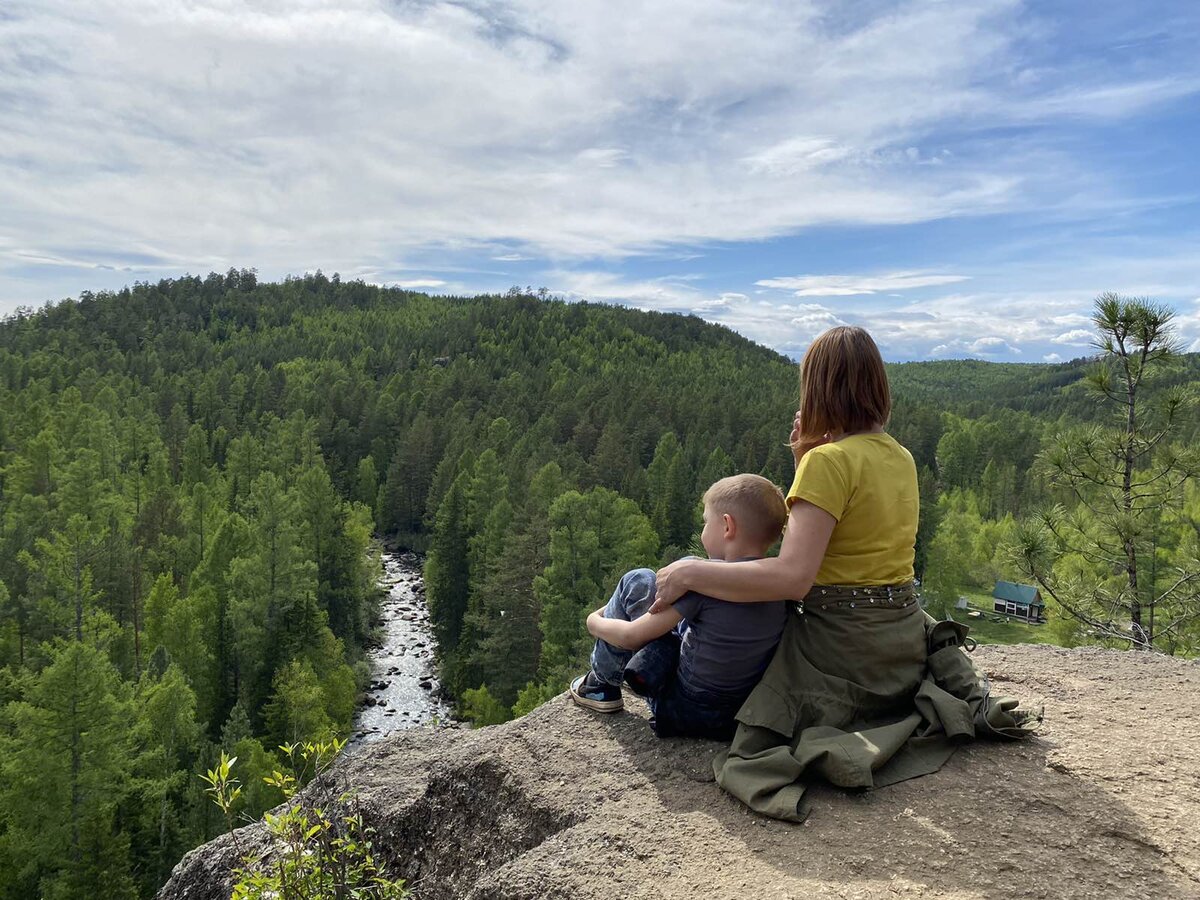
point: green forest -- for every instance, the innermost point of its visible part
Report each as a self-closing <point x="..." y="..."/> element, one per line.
<point x="195" y="475"/>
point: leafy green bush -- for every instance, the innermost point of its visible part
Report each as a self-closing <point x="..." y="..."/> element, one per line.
<point x="484" y="709"/>
<point x="316" y="853"/>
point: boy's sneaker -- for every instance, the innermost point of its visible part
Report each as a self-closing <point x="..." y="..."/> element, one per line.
<point x="588" y="690"/>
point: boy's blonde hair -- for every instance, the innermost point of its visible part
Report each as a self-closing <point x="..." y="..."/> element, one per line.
<point x="754" y="502"/>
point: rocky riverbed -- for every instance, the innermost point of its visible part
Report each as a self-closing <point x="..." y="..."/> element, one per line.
<point x="404" y="691"/>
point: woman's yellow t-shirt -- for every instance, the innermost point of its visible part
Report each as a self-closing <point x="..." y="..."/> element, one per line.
<point x="868" y="482"/>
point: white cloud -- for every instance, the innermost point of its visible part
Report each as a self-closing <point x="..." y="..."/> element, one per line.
<point x="991" y="346"/>
<point x="813" y="320"/>
<point x="1187" y="325"/>
<point x="419" y="283"/>
<point x="759" y="321"/>
<point x="796" y="155"/>
<point x="1068" y="319"/>
<point x="1109" y="101"/>
<point x="985" y="347"/>
<point x="850" y="285"/>
<point x="995" y="325"/>
<point x="724" y="301"/>
<point x="164" y="135"/>
<point x="672" y="294"/>
<point x="1078" y="337"/>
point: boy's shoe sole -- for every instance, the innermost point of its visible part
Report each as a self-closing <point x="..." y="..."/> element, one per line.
<point x="604" y="706"/>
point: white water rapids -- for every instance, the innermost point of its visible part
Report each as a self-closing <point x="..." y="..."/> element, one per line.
<point x="404" y="690"/>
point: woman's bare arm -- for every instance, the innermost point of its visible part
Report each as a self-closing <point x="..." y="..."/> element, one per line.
<point x="785" y="577"/>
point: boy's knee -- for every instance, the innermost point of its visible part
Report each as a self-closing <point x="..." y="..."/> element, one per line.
<point x="639" y="591"/>
<point x="639" y="578"/>
<point x="638" y="585"/>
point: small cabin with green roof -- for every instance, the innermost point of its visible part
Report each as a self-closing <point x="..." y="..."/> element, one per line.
<point x="1021" y="600"/>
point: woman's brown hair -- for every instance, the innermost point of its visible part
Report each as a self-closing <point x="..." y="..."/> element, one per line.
<point x="843" y="385"/>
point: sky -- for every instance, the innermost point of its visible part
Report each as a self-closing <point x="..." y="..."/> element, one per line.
<point x="961" y="178"/>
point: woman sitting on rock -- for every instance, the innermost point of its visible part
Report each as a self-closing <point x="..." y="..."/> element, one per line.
<point x="864" y="689"/>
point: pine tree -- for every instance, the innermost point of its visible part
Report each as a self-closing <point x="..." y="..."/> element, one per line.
<point x="682" y="503"/>
<point x="409" y="477"/>
<point x="718" y="465"/>
<point x="1123" y="476"/>
<point x="509" y="637"/>
<point x="242" y="464"/>
<point x="167" y="733"/>
<point x="337" y="557"/>
<point x="232" y="541"/>
<point x="366" y="482"/>
<point x="594" y="539"/>
<point x="61" y="573"/>
<point x="927" y="520"/>
<point x="273" y="602"/>
<point x="447" y="570"/>
<point x="672" y="499"/>
<point x="203" y="514"/>
<point x="63" y="772"/>
<point x="613" y="460"/>
<point x="162" y="600"/>
<point x="296" y="711"/>
<point x="189" y="631"/>
<point x="196" y="460"/>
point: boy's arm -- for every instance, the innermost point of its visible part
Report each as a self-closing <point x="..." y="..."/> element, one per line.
<point x="632" y="635"/>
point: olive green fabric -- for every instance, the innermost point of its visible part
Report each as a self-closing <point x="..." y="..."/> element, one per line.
<point x="865" y="690"/>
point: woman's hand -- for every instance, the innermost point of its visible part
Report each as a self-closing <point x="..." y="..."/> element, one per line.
<point x="799" y="447"/>
<point x="794" y="437"/>
<point x="788" y="576"/>
<point x="670" y="583"/>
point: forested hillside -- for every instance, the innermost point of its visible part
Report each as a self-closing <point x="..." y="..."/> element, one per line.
<point x="974" y="388"/>
<point x="191" y="473"/>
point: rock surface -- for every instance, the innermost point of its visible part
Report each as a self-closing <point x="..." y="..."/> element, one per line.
<point x="564" y="803"/>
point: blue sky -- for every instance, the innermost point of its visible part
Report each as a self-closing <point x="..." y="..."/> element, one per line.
<point x="961" y="178"/>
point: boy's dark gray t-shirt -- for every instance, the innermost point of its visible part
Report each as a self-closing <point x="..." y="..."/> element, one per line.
<point x="726" y="646"/>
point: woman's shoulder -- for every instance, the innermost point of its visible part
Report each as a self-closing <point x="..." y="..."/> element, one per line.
<point x="873" y="444"/>
<point x="877" y="452"/>
<point x="897" y="447"/>
<point x="870" y="455"/>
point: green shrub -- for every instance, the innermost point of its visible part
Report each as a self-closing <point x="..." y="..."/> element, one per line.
<point x="316" y="852"/>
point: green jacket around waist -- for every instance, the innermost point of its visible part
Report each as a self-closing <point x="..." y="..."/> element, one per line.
<point x="864" y="690"/>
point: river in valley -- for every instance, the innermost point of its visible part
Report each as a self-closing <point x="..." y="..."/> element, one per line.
<point x="404" y="690"/>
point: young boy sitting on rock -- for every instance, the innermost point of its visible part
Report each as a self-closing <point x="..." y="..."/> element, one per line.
<point x="696" y="662"/>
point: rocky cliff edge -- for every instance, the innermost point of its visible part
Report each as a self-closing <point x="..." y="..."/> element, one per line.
<point x="564" y="803"/>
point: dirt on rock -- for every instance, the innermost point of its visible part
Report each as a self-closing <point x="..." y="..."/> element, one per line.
<point x="564" y="803"/>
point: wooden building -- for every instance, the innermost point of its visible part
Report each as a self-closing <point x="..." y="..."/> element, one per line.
<point x="1023" y="601"/>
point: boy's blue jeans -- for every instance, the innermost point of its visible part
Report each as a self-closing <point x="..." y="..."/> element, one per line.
<point x="678" y="708"/>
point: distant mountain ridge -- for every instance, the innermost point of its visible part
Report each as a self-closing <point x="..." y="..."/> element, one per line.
<point x="971" y="387"/>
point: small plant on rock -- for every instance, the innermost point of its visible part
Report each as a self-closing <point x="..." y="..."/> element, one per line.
<point x="316" y="852"/>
